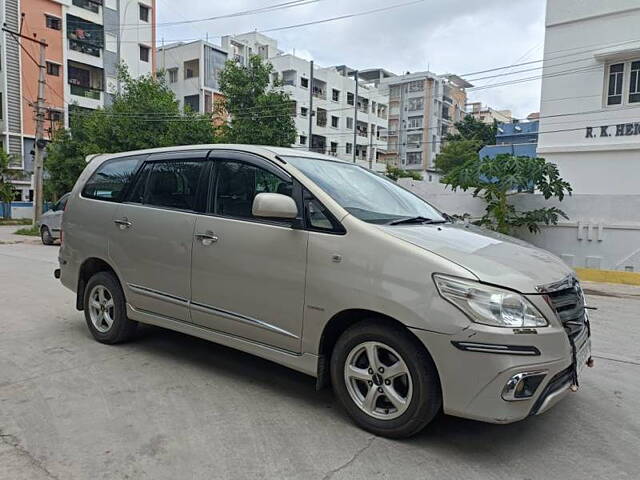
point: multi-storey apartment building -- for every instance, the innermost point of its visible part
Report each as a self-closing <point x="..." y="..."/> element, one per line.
<point x="86" y="41"/>
<point x="486" y="114"/>
<point x="191" y="71"/>
<point x="422" y="110"/>
<point x="337" y="114"/>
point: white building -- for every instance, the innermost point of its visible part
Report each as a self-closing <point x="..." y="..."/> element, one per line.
<point x="191" y="71"/>
<point x="335" y="106"/>
<point x="487" y="114"/>
<point x="590" y="106"/>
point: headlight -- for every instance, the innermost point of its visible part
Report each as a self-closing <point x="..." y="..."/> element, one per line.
<point x="489" y="305"/>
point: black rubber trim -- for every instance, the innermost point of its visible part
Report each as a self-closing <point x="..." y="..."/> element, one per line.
<point x="558" y="381"/>
<point x="524" y="350"/>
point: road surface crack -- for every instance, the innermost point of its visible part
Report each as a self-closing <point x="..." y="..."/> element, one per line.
<point x="12" y="441"/>
<point x="355" y="456"/>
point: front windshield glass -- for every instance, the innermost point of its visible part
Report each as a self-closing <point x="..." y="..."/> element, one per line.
<point x="367" y="196"/>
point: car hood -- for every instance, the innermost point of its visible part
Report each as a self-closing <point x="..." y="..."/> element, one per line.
<point x="490" y="256"/>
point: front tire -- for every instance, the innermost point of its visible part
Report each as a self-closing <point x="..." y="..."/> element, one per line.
<point x="385" y="379"/>
<point x="105" y="309"/>
<point x="45" y="235"/>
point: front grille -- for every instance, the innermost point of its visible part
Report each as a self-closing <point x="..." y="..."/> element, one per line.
<point x="570" y="308"/>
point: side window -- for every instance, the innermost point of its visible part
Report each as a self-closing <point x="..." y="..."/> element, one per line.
<point x="110" y="179"/>
<point x="137" y="192"/>
<point x="238" y="183"/>
<point x="317" y="217"/>
<point x="61" y="203"/>
<point x="171" y="184"/>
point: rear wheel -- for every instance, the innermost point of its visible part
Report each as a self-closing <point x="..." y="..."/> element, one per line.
<point x="385" y="379"/>
<point x="105" y="309"/>
<point x="45" y="235"/>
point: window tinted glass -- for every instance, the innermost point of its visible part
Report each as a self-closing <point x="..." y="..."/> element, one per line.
<point x="237" y="185"/>
<point x="173" y="184"/>
<point x="318" y="219"/>
<point x="367" y="196"/>
<point x="110" y="179"/>
<point x="137" y="192"/>
<point x="61" y="203"/>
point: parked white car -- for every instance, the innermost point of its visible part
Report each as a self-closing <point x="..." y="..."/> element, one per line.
<point x="51" y="221"/>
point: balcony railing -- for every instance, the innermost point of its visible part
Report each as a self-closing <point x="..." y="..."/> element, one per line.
<point x="447" y="99"/>
<point x="85" y="92"/>
<point x="319" y="93"/>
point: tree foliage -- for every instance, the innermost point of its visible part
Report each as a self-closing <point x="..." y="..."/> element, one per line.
<point x="499" y="179"/>
<point x="145" y="115"/>
<point x="7" y="190"/>
<point x="258" y="114"/>
<point x="456" y="153"/>
<point x="394" y="173"/>
<point x="471" y="129"/>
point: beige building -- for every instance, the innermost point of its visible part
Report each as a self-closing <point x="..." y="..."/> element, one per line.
<point x="486" y="114"/>
<point x="423" y="108"/>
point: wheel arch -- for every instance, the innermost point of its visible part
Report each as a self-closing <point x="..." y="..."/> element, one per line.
<point x="90" y="267"/>
<point x="342" y="321"/>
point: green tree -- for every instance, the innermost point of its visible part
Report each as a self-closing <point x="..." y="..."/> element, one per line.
<point x="145" y="115"/>
<point x="258" y="114"/>
<point x="394" y="173"/>
<point x="499" y="179"/>
<point x="6" y="188"/>
<point x="471" y="129"/>
<point x="456" y="153"/>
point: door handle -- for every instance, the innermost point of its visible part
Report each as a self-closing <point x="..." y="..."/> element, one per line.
<point x="206" y="238"/>
<point x="123" y="223"/>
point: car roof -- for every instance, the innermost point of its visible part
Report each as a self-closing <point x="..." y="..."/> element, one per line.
<point x="263" y="150"/>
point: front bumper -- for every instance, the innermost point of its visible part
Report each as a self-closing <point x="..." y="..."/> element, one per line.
<point x="473" y="380"/>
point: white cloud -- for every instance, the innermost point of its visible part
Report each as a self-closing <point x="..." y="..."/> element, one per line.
<point x="454" y="36"/>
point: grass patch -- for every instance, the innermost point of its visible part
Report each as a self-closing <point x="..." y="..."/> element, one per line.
<point x="15" y="221"/>
<point x="32" y="231"/>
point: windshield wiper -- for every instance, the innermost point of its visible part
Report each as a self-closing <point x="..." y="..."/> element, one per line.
<point x="417" y="219"/>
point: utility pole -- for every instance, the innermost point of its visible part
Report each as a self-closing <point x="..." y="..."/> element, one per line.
<point x="371" y="127"/>
<point x="310" y="105"/>
<point x="40" y="110"/>
<point x="355" y="116"/>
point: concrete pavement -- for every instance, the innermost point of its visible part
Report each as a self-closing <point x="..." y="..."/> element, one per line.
<point x="171" y="406"/>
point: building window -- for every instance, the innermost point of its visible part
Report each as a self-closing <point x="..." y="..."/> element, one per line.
<point x="416" y="86"/>
<point x="335" y="95"/>
<point x="616" y="76"/>
<point x="91" y="5"/>
<point x="334" y="148"/>
<point x="192" y="103"/>
<point x="350" y="98"/>
<point x="144" y="13"/>
<point x="173" y="75"/>
<point x="349" y="123"/>
<point x="416" y="104"/>
<point x="191" y="69"/>
<point x="54" y="23"/>
<point x="303" y="140"/>
<point x="414" y="158"/>
<point x="304" y="82"/>
<point x="634" y="84"/>
<point x="335" y="122"/>
<point x="304" y="111"/>
<point x="349" y="147"/>
<point x="144" y="53"/>
<point x="415" y="122"/>
<point x="53" y="69"/>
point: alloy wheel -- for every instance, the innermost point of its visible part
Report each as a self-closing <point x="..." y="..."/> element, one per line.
<point x="378" y="380"/>
<point x="101" y="308"/>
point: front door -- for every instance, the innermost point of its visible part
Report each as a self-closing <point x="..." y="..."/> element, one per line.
<point x="152" y="232"/>
<point x="248" y="274"/>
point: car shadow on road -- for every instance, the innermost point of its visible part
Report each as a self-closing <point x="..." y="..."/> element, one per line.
<point x="476" y="439"/>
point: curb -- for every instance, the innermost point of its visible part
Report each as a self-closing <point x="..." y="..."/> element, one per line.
<point x="608" y="276"/>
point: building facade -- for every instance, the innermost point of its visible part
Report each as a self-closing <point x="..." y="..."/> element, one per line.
<point x="590" y="104"/>
<point x="336" y="112"/>
<point x="191" y="71"/>
<point x="488" y="115"/>
<point x="423" y="108"/>
<point x="86" y="41"/>
<point x="515" y="138"/>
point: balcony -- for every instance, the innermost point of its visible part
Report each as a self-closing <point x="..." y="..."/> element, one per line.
<point x="319" y="89"/>
<point x="86" y="37"/>
<point x="91" y="5"/>
<point x="85" y="81"/>
<point x="362" y="129"/>
<point x="289" y="78"/>
<point x="321" y="117"/>
<point x="448" y="100"/>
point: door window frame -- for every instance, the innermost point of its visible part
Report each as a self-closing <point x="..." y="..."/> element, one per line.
<point x="176" y="156"/>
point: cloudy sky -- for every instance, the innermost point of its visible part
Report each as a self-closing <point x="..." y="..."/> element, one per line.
<point x="451" y="36"/>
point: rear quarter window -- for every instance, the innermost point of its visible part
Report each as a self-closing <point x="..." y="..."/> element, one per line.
<point x="111" y="179"/>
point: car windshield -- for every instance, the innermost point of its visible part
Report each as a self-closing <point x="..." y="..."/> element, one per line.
<point x="364" y="194"/>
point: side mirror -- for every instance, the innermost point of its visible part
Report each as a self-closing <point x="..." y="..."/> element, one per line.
<point x="274" y="205"/>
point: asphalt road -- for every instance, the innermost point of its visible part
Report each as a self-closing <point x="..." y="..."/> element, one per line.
<point x="172" y="406"/>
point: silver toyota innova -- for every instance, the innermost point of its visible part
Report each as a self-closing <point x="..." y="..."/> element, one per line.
<point x="329" y="269"/>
